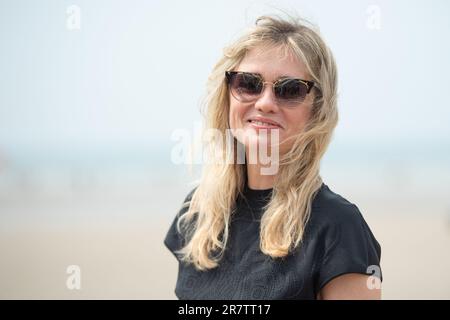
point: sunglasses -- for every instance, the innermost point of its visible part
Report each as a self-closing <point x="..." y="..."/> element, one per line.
<point x="247" y="87"/>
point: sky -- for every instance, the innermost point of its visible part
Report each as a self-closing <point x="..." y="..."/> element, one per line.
<point x="135" y="71"/>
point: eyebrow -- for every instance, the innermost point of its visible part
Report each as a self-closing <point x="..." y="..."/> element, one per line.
<point x="276" y="79"/>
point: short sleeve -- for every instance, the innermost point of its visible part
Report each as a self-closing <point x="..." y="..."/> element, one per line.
<point x="350" y="247"/>
<point x="174" y="240"/>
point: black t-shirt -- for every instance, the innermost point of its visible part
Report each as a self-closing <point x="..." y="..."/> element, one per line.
<point x="337" y="240"/>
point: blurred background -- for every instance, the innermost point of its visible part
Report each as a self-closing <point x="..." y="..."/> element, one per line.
<point x="88" y="111"/>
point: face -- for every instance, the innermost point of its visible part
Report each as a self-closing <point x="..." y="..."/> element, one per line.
<point x="271" y="64"/>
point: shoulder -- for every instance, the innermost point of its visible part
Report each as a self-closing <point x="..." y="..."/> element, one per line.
<point x="173" y="239"/>
<point x="330" y="208"/>
<point x="185" y="204"/>
<point x="189" y="196"/>
<point x="337" y="220"/>
<point x="344" y="241"/>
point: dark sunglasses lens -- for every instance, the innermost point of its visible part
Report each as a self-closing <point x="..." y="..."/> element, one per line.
<point x="291" y="90"/>
<point x="245" y="86"/>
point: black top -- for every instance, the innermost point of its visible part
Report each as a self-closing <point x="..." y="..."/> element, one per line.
<point x="337" y="240"/>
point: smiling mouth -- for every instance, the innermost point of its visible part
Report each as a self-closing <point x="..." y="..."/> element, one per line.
<point x="262" y="124"/>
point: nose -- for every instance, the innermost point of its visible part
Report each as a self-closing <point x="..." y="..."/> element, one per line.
<point x="266" y="102"/>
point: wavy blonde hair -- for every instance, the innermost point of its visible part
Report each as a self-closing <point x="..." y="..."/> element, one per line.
<point x="205" y="224"/>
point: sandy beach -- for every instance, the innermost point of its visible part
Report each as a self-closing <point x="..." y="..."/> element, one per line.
<point x="127" y="260"/>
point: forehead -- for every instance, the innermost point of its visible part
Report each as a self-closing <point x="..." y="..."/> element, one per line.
<point x="273" y="63"/>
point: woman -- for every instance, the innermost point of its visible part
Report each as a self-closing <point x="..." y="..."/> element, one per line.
<point x="249" y="233"/>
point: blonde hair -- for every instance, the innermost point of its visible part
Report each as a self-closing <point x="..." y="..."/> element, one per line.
<point x="205" y="224"/>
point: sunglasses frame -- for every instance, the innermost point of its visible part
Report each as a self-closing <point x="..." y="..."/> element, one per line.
<point x="230" y="74"/>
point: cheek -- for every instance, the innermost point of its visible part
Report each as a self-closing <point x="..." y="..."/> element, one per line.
<point x="238" y="126"/>
<point x="296" y="121"/>
<point x="237" y="112"/>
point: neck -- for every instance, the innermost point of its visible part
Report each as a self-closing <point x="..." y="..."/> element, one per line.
<point x="258" y="181"/>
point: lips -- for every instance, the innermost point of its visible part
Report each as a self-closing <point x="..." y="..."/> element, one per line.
<point x="264" y="122"/>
